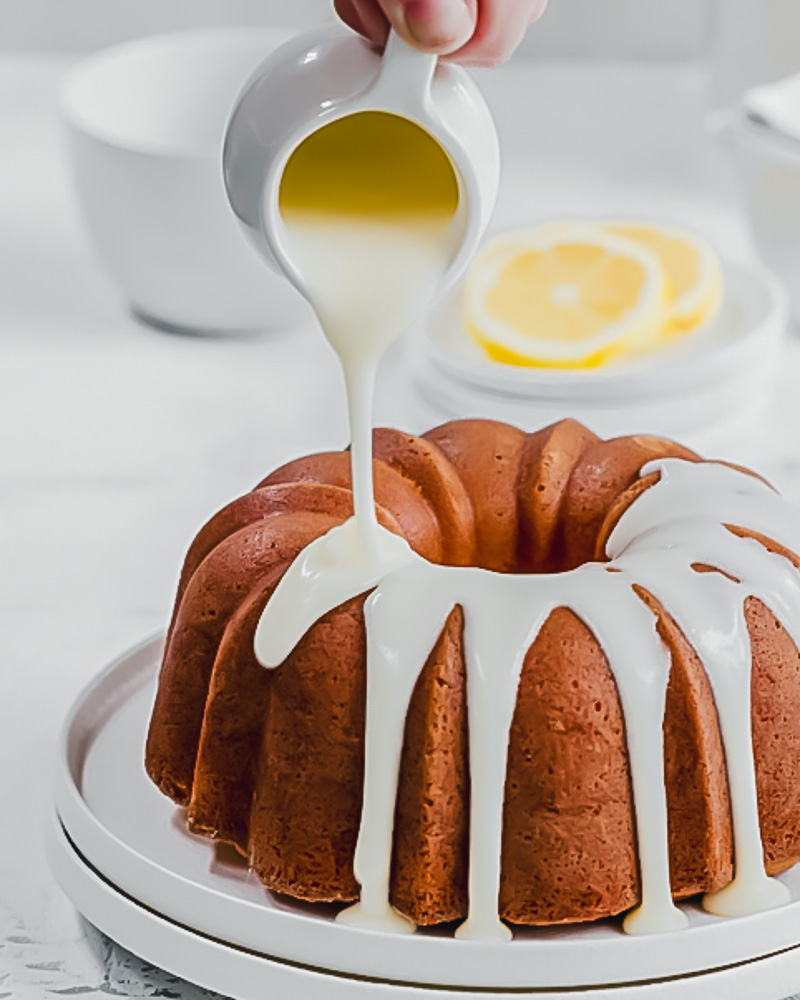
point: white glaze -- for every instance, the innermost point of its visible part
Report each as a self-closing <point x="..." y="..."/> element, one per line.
<point x="368" y="279"/>
<point x="664" y="533"/>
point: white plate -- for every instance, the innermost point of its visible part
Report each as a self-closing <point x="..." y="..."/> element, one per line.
<point x="244" y="975"/>
<point x="713" y="381"/>
<point x="136" y="840"/>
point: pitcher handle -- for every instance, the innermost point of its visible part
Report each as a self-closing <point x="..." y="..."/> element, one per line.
<point x="406" y="71"/>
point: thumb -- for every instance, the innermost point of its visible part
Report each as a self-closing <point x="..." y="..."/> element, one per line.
<point x="439" y="26"/>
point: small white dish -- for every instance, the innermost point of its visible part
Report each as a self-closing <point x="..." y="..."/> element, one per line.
<point x="137" y="843"/>
<point x="146" y="122"/>
<point x="705" y="391"/>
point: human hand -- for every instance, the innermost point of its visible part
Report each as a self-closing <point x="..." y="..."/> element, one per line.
<point x="470" y="32"/>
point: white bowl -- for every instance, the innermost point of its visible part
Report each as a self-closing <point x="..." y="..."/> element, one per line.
<point x="146" y="122"/>
<point x="763" y="132"/>
<point x="706" y="390"/>
<point x="769" y="169"/>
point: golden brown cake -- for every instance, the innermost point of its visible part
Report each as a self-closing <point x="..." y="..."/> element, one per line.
<point x="271" y="761"/>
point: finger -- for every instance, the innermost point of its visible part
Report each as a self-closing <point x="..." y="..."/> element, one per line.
<point x="439" y="26"/>
<point x="375" y="21"/>
<point x="500" y="29"/>
<point x="537" y="9"/>
<point x="365" y="17"/>
<point x="347" y="11"/>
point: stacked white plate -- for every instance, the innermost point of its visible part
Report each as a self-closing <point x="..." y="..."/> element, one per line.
<point x="120" y="850"/>
<point x="707" y="390"/>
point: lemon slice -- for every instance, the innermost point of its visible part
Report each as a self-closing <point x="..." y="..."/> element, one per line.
<point x="565" y="296"/>
<point x="692" y="268"/>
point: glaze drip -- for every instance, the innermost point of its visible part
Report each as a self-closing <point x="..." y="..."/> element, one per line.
<point x="659" y="546"/>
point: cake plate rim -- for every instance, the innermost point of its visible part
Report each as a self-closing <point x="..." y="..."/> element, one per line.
<point x="245" y="975"/>
<point x="585" y="958"/>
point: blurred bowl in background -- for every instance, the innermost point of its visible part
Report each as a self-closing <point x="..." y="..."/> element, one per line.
<point x="708" y="390"/>
<point x="769" y="168"/>
<point x="146" y="122"/>
<point x="762" y="132"/>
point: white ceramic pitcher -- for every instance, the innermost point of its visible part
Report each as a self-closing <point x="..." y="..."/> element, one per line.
<point x="325" y="75"/>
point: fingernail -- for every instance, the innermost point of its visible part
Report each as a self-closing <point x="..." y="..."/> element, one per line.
<point x="443" y="25"/>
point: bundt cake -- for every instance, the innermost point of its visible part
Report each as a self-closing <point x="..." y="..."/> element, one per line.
<point x="629" y="582"/>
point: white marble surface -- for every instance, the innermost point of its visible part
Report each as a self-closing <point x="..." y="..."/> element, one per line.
<point x="117" y="441"/>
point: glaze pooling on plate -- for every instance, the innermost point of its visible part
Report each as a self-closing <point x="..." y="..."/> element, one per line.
<point x="676" y="529"/>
